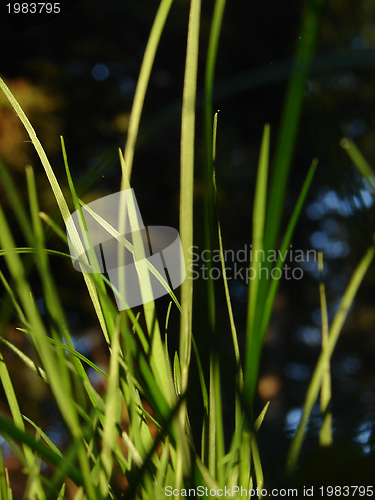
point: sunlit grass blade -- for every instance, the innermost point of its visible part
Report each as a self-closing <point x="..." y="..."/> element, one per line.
<point x="239" y="373"/>
<point x="216" y="428"/>
<point x="257" y="462"/>
<point x="142" y="83"/>
<point x="187" y="181"/>
<point x="64" y="347"/>
<point x="215" y="417"/>
<point x="210" y="146"/>
<point x="244" y="458"/>
<point x="39" y="149"/>
<point x="7" y="427"/>
<point x="12" y="296"/>
<point x="137" y="479"/>
<point x="316" y="381"/>
<point x="100" y="291"/>
<point x="18" y="424"/>
<point x="58" y="326"/>
<point x="60" y="233"/>
<point x="16" y="203"/>
<point x="290" y="119"/>
<point x="3" y="479"/>
<point x="61" y="391"/>
<point x="56" y="191"/>
<point x="325" y="437"/>
<point x="162" y="471"/>
<point x="160" y="369"/>
<point x="253" y="340"/>
<point x="258" y="422"/>
<point x="186" y="212"/>
<point x="53" y="447"/>
<point x="26" y="360"/>
<point x="113" y="407"/>
<point x="359" y="161"/>
<point x="62" y="493"/>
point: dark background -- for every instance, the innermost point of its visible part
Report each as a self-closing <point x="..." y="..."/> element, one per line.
<point x="75" y="76"/>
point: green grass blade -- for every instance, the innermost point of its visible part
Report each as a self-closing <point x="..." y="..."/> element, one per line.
<point x="325" y="437"/>
<point x="291" y="118"/>
<point x="26" y="360"/>
<point x="186" y="210"/>
<point x="18" y="421"/>
<point x="264" y="308"/>
<point x="325" y="356"/>
<point x="62" y="493"/>
<point x="253" y="340"/>
<point x="58" y="327"/>
<point x="244" y="458"/>
<point x="50" y="362"/>
<point x="259" y="216"/>
<point x="56" y="191"/>
<point x="113" y="407"/>
<point x="39" y="149"/>
<point x="10" y="429"/>
<point x="13" y="299"/>
<point x="187" y="181"/>
<point x="257" y="462"/>
<point x="239" y="374"/>
<point x="60" y="233"/>
<point x="143" y="79"/>
<point x="64" y="347"/>
<point x="359" y="161"/>
<point x="258" y="422"/>
<point x="53" y="447"/>
<point x="16" y="203"/>
<point x="229" y="307"/>
<point x="210" y="145"/>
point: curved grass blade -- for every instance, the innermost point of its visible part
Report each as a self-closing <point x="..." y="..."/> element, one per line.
<point x="186" y="214"/>
<point x="291" y="118"/>
<point x="325" y="356"/>
<point x="7" y="427"/>
<point x="210" y="145"/>
<point x="187" y="181"/>
<point x="285" y="245"/>
<point x="253" y="340"/>
<point x="56" y="191"/>
<point x="359" y="161"/>
<point x="325" y="436"/>
<point x="142" y="83"/>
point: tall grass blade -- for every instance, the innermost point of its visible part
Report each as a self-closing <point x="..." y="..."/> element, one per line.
<point x="187" y="181"/>
<point x="143" y="79"/>
<point x="291" y="118"/>
<point x="7" y="427"/>
<point x="50" y="362"/>
<point x="325" y="436"/>
<point x="210" y="145"/>
<point x="359" y="161"/>
<point x="316" y="381"/>
<point x="186" y="213"/>
<point x="253" y="340"/>
<point x="56" y="191"/>
<point x="112" y="416"/>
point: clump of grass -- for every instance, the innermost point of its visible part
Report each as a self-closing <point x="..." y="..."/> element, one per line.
<point x="140" y="366"/>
